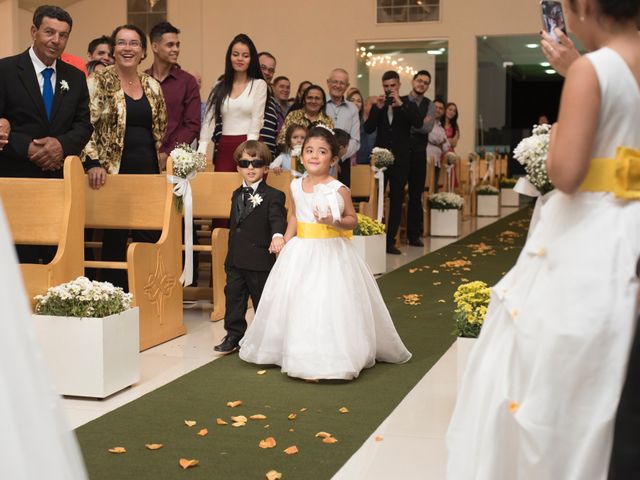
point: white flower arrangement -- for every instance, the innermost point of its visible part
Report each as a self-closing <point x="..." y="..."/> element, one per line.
<point x="255" y="199"/>
<point x="450" y="158"/>
<point x="486" y="189"/>
<point x="296" y="151"/>
<point x="381" y="157"/>
<point x="186" y="162"/>
<point x="83" y="298"/>
<point x="490" y="157"/>
<point x="473" y="157"/>
<point x="64" y="86"/>
<point x="446" y="201"/>
<point x="531" y="152"/>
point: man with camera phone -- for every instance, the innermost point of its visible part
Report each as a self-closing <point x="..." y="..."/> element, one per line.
<point x="392" y="117"/>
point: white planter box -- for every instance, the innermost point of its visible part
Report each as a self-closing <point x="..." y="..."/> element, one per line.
<point x="488" y="206"/>
<point x="446" y="223"/>
<point x="509" y="197"/>
<point x="91" y="357"/>
<point x="463" y="350"/>
<point x="372" y="249"/>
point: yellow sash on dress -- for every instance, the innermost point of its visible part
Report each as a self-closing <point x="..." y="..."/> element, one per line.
<point x="619" y="175"/>
<point x="319" y="230"/>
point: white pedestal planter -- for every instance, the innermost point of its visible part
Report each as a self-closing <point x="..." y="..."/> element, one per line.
<point x="446" y="223"/>
<point x="463" y="350"/>
<point x="509" y="197"/>
<point x="372" y="249"/>
<point x="488" y="206"/>
<point x="91" y="357"/>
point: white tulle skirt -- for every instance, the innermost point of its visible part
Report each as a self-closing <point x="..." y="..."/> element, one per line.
<point x="540" y="393"/>
<point x="321" y="315"/>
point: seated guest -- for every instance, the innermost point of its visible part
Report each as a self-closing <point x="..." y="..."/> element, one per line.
<point x="293" y="137"/>
<point x="367" y="140"/>
<point x="296" y="103"/>
<point x="311" y="113"/>
<point x="117" y="145"/>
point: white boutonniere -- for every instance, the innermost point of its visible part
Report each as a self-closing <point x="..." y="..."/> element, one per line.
<point x="255" y="199"/>
<point x="64" y="86"/>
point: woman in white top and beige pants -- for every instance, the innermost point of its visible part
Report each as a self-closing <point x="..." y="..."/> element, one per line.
<point x="240" y="99"/>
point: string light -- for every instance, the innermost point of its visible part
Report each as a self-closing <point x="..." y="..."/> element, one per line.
<point x="372" y="61"/>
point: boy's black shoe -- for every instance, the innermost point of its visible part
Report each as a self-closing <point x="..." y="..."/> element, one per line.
<point x="229" y="345"/>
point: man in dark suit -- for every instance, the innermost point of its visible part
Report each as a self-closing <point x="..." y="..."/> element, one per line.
<point x="258" y="220"/>
<point x="45" y="100"/>
<point x="392" y="118"/>
<point x="46" y="103"/>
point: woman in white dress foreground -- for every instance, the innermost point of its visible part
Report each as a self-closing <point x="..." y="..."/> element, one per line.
<point x="36" y="443"/>
<point x="321" y="314"/>
<point x="542" y="385"/>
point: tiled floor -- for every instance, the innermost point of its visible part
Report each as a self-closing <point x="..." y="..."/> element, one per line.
<point x="412" y="444"/>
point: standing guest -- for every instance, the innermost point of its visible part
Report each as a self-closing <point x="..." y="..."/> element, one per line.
<point x="100" y="49"/>
<point x="236" y="104"/>
<point x="311" y="112"/>
<point x="95" y="66"/>
<point x="451" y="125"/>
<point x="281" y="91"/>
<point x="367" y="140"/>
<point x="437" y="144"/>
<point x="392" y="117"/>
<point x="297" y="101"/>
<point x="293" y="137"/>
<point x="179" y="88"/>
<point x="129" y="116"/>
<point x="418" y="155"/>
<point x="46" y="102"/>
<point x="345" y="117"/>
<point x="267" y="66"/>
<point x="258" y="222"/>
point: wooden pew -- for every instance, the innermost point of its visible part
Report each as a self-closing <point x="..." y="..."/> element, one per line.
<point x="43" y="211"/>
<point x="212" y="199"/>
<point x="144" y="202"/>
<point x="364" y="185"/>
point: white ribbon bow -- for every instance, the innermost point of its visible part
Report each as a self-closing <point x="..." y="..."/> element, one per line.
<point x="525" y="187"/>
<point x="325" y="197"/>
<point x="489" y="173"/>
<point x="450" y="169"/>
<point x="182" y="189"/>
<point x="379" y="175"/>
<point x="473" y="174"/>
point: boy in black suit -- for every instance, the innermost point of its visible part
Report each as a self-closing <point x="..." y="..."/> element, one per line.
<point x="258" y="220"/>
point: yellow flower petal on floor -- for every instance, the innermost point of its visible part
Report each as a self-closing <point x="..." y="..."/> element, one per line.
<point x="153" y="446"/>
<point x="188" y="463"/>
<point x="273" y="475"/>
<point x="118" y="450"/>
<point x="234" y="404"/>
<point x="190" y="423"/>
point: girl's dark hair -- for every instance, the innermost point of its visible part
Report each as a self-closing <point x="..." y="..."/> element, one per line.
<point x="617" y="9"/>
<point x="454" y="120"/>
<point x="314" y="87"/>
<point x="289" y="133"/>
<point x="222" y="89"/>
<point x="138" y="30"/>
<point x="324" y="133"/>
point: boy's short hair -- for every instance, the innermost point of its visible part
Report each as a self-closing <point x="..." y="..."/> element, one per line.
<point x="342" y="137"/>
<point x="255" y="149"/>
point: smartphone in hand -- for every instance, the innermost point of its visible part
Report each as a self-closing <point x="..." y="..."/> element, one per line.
<point x="552" y="17"/>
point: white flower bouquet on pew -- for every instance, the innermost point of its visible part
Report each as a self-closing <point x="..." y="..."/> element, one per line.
<point x="83" y="298"/>
<point x="381" y="157"/>
<point x="531" y="152"/>
<point x="186" y="163"/>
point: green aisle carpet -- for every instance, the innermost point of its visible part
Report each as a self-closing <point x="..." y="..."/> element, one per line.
<point x="233" y="453"/>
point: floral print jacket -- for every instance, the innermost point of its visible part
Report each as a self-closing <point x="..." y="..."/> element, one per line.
<point x="109" y="116"/>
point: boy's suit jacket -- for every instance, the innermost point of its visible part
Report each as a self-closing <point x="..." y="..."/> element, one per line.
<point x="21" y="103"/>
<point x="251" y="230"/>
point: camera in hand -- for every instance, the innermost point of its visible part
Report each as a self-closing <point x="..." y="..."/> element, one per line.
<point x="388" y="101"/>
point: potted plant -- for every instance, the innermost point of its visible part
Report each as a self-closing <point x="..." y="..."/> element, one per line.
<point x="90" y="337"/>
<point x="508" y="196"/>
<point x="472" y="300"/>
<point x="446" y="214"/>
<point x="370" y="241"/>
<point x="488" y="201"/>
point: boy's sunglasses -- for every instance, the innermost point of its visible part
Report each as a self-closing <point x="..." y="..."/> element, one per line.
<point x="257" y="163"/>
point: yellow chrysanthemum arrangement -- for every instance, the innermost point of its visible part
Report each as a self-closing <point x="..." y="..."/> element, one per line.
<point x="472" y="300"/>
<point x="367" y="226"/>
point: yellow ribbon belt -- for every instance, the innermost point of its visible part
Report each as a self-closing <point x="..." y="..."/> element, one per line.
<point x="620" y="175"/>
<point x="319" y="230"/>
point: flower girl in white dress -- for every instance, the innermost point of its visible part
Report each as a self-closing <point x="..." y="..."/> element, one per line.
<point x="540" y="392"/>
<point x="321" y="315"/>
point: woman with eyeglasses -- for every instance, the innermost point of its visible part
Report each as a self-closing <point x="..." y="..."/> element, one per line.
<point x="129" y="118"/>
<point x="236" y="105"/>
<point x="311" y="113"/>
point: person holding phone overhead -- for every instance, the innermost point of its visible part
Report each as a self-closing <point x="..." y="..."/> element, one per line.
<point x="539" y="396"/>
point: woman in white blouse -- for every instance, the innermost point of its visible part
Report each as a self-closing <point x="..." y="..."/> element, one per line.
<point x="235" y="108"/>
